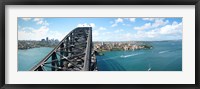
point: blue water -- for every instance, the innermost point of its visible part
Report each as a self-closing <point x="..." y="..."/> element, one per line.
<point x="30" y="57"/>
<point x="164" y="56"/>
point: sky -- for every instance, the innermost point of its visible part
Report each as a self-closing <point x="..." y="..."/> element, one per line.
<point x="103" y="29"/>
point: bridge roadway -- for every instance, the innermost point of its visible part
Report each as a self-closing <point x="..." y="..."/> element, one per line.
<point x="73" y="53"/>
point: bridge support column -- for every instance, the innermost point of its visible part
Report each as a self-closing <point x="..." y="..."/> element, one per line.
<point x="40" y="68"/>
<point x="61" y="56"/>
<point x="54" y="57"/>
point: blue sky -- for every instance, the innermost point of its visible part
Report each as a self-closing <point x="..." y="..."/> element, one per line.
<point x="103" y="29"/>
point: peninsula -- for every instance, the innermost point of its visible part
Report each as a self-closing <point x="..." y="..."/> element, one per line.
<point x="100" y="47"/>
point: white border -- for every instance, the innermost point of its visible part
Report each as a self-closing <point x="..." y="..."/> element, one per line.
<point x="187" y="76"/>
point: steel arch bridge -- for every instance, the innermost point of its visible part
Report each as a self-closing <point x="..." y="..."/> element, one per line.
<point x="73" y="53"/>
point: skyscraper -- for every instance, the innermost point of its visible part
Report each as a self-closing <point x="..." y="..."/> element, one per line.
<point x="47" y="39"/>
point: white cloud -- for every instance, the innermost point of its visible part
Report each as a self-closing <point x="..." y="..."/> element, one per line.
<point x="41" y="31"/>
<point x="118" y="20"/>
<point x="116" y="35"/>
<point x="168" y="32"/>
<point x="114" y="25"/>
<point x="25" y="29"/>
<point x="157" y="22"/>
<point x="37" y="34"/>
<point x="102" y="28"/>
<point x="45" y="23"/>
<point x="148" y="19"/>
<point x="119" y="30"/>
<point x="145" y="26"/>
<point x="31" y="33"/>
<point x="56" y="35"/>
<point x="132" y="19"/>
<point x="174" y="30"/>
<point x="26" y="19"/>
<point x="127" y="37"/>
<point x="101" y="34"/>
<point x="41" y="21"/>
<point x="96" y="35"/>
<point x="37" y="19"/>
<point x="92" y="25"/>
<point x="86" y="25"/>
<point x="143" y="34"/>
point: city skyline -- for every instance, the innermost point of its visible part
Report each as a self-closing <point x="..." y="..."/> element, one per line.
<point x="104" y="29"/>
<point x="46" y="38"/>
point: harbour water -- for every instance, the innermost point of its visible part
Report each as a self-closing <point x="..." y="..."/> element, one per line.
<point x="30" y="57"/>
<point x="164" y="56"/>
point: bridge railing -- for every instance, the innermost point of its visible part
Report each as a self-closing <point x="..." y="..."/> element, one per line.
<point x="88" y="52"/>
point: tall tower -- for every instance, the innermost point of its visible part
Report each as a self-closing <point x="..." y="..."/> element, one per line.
<point x="47" y="39"/>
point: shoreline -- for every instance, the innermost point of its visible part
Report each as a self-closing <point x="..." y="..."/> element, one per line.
<point x="33" y="47"/>
<point x="100" y="53"/>
<point x="101" y="47"/>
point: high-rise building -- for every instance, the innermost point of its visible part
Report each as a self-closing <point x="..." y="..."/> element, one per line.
<point x="102" y="43"/>
<point x="47" y="39"/>
<point x="42" y="40"/>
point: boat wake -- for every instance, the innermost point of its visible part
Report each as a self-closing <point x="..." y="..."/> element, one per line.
<point x="125" y="56"/>
<point x="111" y="58"/>
<point x="163" y="51"/>
<point x="149" y="68"/>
